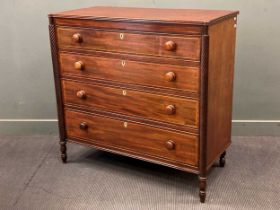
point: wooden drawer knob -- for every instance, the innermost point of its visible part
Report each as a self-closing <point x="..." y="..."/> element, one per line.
<point x="79" y="65"/>
<point x="170" y="145"/>
<point x="77" y="38"/>
<point x="170" y="45"/>
<point x="170" y="109"/>
<point x="81" y="94"/>
<point x="170" y="76"/>
<point x="83" y="126"/>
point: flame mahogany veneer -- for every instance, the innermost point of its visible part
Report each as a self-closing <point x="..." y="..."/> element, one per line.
<point x="152" y="84"/>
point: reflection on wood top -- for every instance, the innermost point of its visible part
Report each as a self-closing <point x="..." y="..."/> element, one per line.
<point x="184" y="16"/>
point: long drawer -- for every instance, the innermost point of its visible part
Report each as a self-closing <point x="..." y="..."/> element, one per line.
<point x="128" y="71"/>
<point x="169" y="109"/>
<point x="187" y="47"/>
<point x="107" y="132"/>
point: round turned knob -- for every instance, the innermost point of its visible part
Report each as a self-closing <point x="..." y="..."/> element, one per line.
<point x="81" y="94"/>
<point x="170" y="109"/>
<point x="170" y="145"/>
<point x="170" y="76"/>
<point x="83" y="126"/>
<point x="170" y="45"/>
<point x="77" y="38"/>
<point x="79" y="65"/>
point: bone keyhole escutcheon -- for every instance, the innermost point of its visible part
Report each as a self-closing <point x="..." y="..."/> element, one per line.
<point x="123" y="63"/>
<point x="121" y="36"/>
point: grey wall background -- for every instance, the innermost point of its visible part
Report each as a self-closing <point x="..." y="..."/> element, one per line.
<point x="26" y="81"/>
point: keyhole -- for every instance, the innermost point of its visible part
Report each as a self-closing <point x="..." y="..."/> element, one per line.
<point x="124" y="92"/>
<point x="121" y="36"/>
<point x="125" y="124"/>
<point x="123" y="63"/>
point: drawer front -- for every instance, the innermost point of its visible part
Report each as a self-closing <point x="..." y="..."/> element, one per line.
<point x="187" y="47"/>
<point x="127" y="71"/>
<point x="156" y="107"/>
<point x="102" y="131"/>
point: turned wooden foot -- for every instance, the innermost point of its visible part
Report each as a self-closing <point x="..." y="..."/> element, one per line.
<point x="63" y="151"/>
<point x="202" y="188"/>
<point x="222" y="161"/>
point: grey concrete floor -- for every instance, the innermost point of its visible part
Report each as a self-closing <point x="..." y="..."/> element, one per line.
<point x="33" y="177"/>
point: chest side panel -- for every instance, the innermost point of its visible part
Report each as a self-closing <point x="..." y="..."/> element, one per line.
<point x="220" y="87"/>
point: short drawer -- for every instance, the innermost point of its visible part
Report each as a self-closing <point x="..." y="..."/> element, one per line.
<point x="128" y="71"/>
<point x="142" y="139"/>
<point x="187" y="47"/>
<point x="168" y="109"/>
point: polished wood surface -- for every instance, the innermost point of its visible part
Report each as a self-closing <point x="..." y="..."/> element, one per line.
<point x="148" y="44"/>
<point x="170" y="45"/>
<point x="130" y="102"/>
<point x="220" y="87"/>
<point x="82" y="94"/>
<point x="136" y="118"/>
<point x="190" y="16"/>
<point x="170" y="76"/>
<point x="79" y="65"/>
<point x="132" y="136"/>
<point x="77" y="38"/>
<point x="170" y="145"/>
<point x="129" y="71"/>
<point x="130" y="26"/>
<point x="170" y="109"/>
<point x="83" y="125"/>
<point x="203" y="118"/>
<point x="57" y="83"/>
<point x="152" y="84"/>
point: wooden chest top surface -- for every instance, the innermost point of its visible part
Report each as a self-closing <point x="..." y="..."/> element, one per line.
<point x="186" y="16"/>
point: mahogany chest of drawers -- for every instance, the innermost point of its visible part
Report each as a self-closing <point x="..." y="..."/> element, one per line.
<point x="153" y="84"/>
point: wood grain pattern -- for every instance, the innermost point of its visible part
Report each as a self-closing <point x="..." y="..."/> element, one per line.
<point x="131" y="102"/>
<point x="135" y="72"/>
<point x="59" y="100"/>
<point x="164" y="28"/>
<point x="145" y="157"/>
<point x="188" y="47"/>
<point x="150" y="89"/>
<point x="138" y="138"/>
<point x="203" y="103"/>
<point x="133" y="57"/>
<point x="220" y="87"/>
<point x="134" y="118"/>
<point x="189" y="16"/>
<point x="152" y="84"/>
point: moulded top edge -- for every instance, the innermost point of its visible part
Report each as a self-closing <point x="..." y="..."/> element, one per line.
<point x="178" y="16"/>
